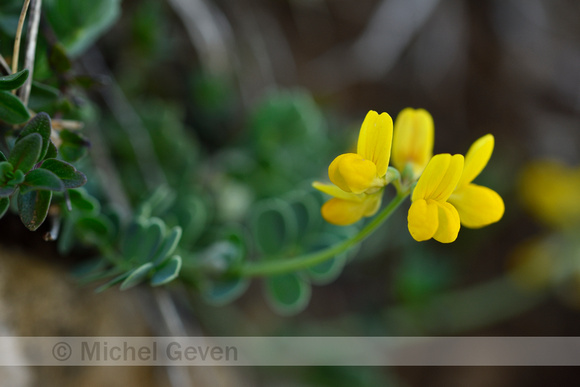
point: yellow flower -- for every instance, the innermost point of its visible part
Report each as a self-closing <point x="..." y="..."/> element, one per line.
<point x="477" y="206"/>
<point x="345" y="207"/>
<point x="550" y="191"/>
<point x="359" y="177"/>
<point x="365" y="170"/>
<point x="430" y="215"/>
<point x="446" y="198"/>
<point x="413" y="141"/>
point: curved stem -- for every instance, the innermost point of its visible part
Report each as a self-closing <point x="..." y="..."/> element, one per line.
<point x="16" y="51"/>
<point x="32" y="35"/>
<point x="282" y="266"/>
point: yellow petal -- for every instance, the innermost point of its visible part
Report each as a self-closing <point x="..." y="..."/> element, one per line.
<point x="448" y="223"/>
<point x="476" y="159"/>
<point x="477" y="206"/>
<point x="413" y="140"/>
<point x="375" y="139"/>
<point x="431" y="176"/>
<point x="351" y="173"/>
<point x="439" y="178"/>
<point x="333" y="190"/>
<point x="423" y="219"/>
<point x="343" y="212"/>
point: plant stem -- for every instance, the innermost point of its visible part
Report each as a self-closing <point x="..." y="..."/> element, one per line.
<point x="16" y="51"/>
<point x="32" y="35"/>
<point x="282" y="266"/>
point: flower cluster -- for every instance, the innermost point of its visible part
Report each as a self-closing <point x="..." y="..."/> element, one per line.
<point x="443" y="198"/>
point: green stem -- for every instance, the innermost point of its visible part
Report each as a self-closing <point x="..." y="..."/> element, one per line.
<point x="300" y="262"/>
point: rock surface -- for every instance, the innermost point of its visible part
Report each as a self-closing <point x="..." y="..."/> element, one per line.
<point x="39" y="298"/>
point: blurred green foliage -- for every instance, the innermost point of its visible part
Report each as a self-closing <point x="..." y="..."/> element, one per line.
<point x="183" y="177"/>
<point x="207" y="188"/>
<point x="78" y="24"/>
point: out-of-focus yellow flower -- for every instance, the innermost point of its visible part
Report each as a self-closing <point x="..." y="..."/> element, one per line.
<point x="413" y="141"/>
<point x="477" y="206"/>
<point x="550" y="191"/>
<point x="430" y="215"/>
<point x="365" y="170"/>
<point x="345" y="207"/>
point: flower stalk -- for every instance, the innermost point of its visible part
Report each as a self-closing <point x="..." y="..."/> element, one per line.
<point x="267" y="267"/>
